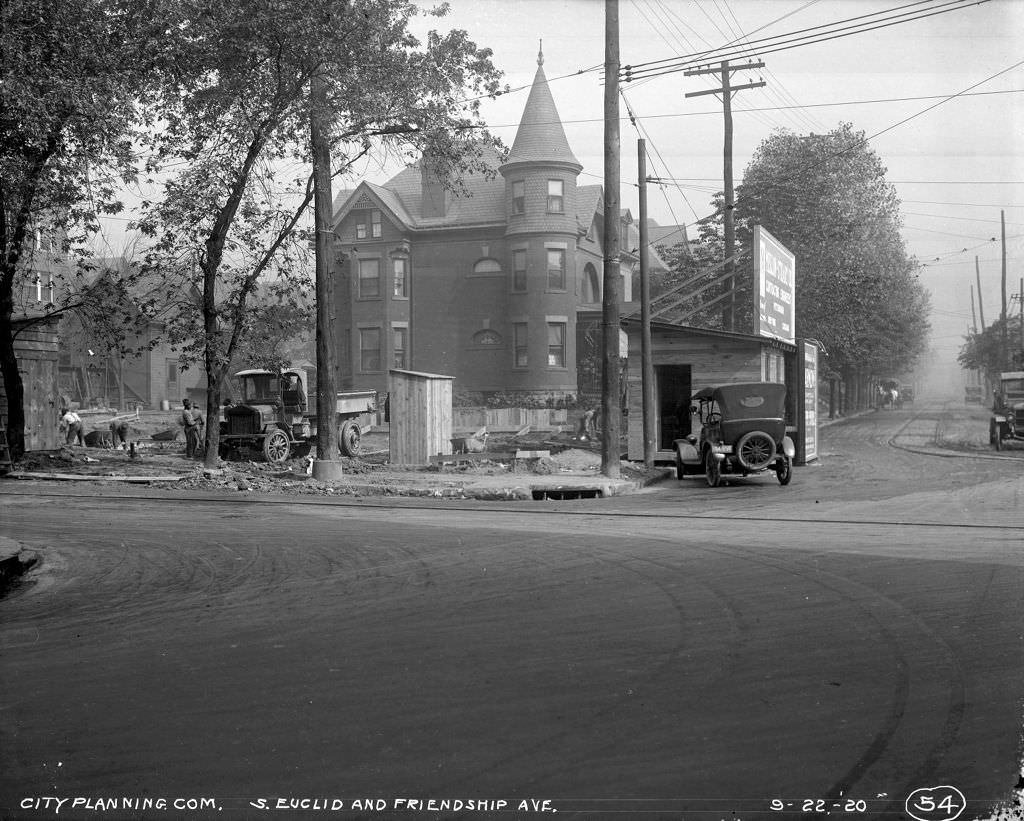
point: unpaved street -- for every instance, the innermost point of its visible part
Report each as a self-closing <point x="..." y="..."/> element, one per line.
<point x="683" y="653"/>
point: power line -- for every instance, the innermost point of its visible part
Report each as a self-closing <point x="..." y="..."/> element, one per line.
<point x="653" y="69"/>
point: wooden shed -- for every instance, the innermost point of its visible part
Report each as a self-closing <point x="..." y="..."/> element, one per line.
<point x="36" y="348"/>
<point x="686" y="359"/>
<point x="420" y="416"/>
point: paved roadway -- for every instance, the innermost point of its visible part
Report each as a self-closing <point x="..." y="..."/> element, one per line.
<point x="686" y="653"/>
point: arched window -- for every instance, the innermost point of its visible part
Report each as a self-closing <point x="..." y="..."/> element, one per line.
<point x="591" y="284"/>
<point x="487" y="266"/>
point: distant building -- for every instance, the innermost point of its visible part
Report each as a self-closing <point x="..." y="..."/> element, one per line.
<point x="500" y="289"/>
<point x="93" y="371"/>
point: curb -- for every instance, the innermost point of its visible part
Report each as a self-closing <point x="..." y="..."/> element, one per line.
<point x="553" y="488"/>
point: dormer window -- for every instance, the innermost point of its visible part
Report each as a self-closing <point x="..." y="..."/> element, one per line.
<point x="555" y="198"/>
<point x="361" y="228"/>
<point x="518" y="197"/>
<point x="375" y="224"/>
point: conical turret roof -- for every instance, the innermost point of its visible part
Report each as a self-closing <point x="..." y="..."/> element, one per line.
<point x="541" y="137"/>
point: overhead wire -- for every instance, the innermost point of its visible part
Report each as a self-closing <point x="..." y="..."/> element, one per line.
<point x="762" y="47"/>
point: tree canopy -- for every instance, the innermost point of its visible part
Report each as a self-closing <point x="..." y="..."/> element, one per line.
<point x="71" y="76"/>
<point x="235" y="109"/>
<point x="825" y="197"/>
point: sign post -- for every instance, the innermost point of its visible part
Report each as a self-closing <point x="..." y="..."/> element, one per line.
<point x="807" y="402"/>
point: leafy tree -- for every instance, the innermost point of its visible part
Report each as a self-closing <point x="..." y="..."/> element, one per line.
<point x="984" y="351"/>
<point x="236" y="110"/>
<point x="825" y="197"/>
<point x="70" y="75"/>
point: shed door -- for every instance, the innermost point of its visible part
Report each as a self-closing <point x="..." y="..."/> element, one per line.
<point x="41" y="399"/>
<point x="673" y="398"/>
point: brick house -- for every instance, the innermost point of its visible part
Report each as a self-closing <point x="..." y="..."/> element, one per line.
<point x="498" y="288"/>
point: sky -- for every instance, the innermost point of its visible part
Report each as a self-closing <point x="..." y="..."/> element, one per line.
<point x="954" y="167"/>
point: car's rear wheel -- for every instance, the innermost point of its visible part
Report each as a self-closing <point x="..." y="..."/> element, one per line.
<point x="755" y="450"/>
<point x="784" y="470"/>
<point x="712" y="470"/>
<point x="680" y="471"/>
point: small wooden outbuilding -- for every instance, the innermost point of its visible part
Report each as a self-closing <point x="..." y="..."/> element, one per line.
<point x="686" y="359"/>
<point x="420" y="416"/>
<point x="36" y="348"/>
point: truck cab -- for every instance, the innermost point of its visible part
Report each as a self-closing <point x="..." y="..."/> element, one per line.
<point x="1007" y="422"/>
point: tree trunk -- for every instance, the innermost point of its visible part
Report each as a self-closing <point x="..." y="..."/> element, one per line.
<point x="13" y="386"/>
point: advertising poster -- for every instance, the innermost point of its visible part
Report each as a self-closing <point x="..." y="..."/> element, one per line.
<point x="775" y="282"/>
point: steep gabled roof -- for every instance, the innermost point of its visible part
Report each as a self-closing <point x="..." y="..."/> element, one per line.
<point x="402" y="196"/>
<point x="541" y="137"/>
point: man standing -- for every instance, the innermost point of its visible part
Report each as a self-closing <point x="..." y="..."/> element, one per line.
<point x="72" y="423"/>
<point x="193" y="424"/>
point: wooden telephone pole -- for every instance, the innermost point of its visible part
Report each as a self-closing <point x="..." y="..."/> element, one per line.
<point x="327" y="465"/>
<point x="611" y="413"/>
<point x="727" y="90"/>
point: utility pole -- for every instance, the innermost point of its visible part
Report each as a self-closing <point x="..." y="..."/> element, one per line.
<point x="1006" y="331"/>
<point x="981" y="305"/>
<point x="647" y="368"/>
<point x="727" y="90"/>
<point x="327" y="466"/>
<point x="1020" y="295"/>
<point x="974" y="318"/>
<point x="611" y="413"/>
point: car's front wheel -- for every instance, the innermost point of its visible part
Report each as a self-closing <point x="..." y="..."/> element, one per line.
<point x="784" y="470"/>
<point x="712" y="470"/>
<point x="680" y="471"/>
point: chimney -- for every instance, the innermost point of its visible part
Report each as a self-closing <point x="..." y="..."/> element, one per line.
<point x="434" y="194"/>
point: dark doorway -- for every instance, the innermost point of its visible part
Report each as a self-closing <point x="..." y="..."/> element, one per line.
<point x="673" y="399"/>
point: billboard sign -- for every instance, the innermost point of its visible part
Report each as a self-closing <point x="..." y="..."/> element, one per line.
<point x="775" y="286"/>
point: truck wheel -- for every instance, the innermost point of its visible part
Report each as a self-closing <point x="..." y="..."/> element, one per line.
<point x="349" y="438"/>
<point x="276" y="446"/>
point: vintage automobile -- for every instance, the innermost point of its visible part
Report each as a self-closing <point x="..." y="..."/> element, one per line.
<point x="275" y="417"/>
<point x="906" y="394"/>
<point x="743" y="431"/>
<point x="1007" y="421"/>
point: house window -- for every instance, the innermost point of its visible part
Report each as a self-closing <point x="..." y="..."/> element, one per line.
<point x="401" y="286"/>
<point x="369" y="350"/>
<point x="487" y="266"/>
<point x="375" y="224"/>
<point x="172" y="376"/>
<point x="400" y="337"/>
<point x="519" y="270"/>
<point x="369" y="279"/>
<point x="556" y="344"/>
<point x="556" y="269"/>
<point x="555" y="200"/>
<point x="51" y="288"/>
<point x="361" y="228"/>
<point x="39" y="288"/>
<point x="519" y="344"/>
<point x="518" y="197"/>
<point x="591" y="284"/>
